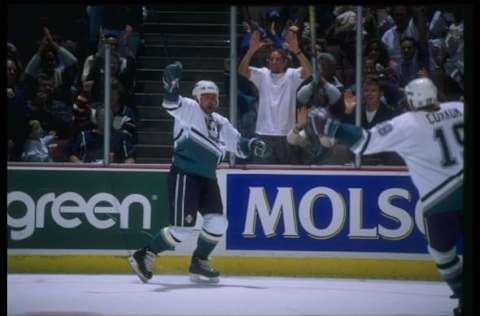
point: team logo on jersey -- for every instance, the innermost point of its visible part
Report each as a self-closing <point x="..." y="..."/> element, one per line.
<point x="189" y="219"/>
<point x="385" y="128"/>
<point x="213" y="129"/>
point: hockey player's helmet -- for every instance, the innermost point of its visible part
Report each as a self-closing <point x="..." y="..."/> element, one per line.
<point x="421" y="92"/>
<point x="204" y="87"/>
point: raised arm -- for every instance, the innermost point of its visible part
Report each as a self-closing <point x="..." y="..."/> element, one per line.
<point x="255" y="44"/>
<point x="293" y="46"/>
<point x="171" y="85"/>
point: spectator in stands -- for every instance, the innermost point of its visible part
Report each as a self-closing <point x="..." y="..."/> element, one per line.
<point x="124" y="119"/>
<point x="342" y="44"/>
<point x="83" y="115"/>
<point x="392" y="94"/>
<point x="376" y="51"/>
<point x="124" y="21"/>
<point x="53" y="115"/>
<point x="124" y="75"/>
<point x="373" y="111"/>
<point x="407" y="24"/>
<point x="412" y="64"/>
<point x="321" y="94"/>
<point x="38" y="146"/>
<point x="52" y="60"/>
<point x="12" y="54"/>
<point x="88" y="145"/>
<point x="94" y="14"/>
<point x="247" y="101"/>
<point x="17" y="113"/>
<point x="277" y="87"/>
<point x="329" y="66"/>
<point x="89" y="61"/>
<point x="312" y="150"/>
<point x="454" y="42"/>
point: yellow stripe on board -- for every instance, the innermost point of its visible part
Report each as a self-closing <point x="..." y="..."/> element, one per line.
<point x="272" y="266"/>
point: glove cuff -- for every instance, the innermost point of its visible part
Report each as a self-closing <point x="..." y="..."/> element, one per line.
<point x="331" y="128"/>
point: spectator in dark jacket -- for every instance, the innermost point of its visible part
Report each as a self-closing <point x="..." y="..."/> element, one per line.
<point x="17" y="113"/>
<point x="88" y="145"/>
<point x="374" y="111"/>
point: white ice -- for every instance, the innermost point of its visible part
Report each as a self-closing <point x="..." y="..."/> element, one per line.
<point x="75" y="294"/>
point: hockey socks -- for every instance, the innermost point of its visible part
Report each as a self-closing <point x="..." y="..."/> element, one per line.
<point x="449" y="265"/>
<point x="205" y="244"/>
<point x="162" y="241"/>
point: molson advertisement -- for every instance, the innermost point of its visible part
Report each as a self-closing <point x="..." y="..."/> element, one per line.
<point x="331" y="212"/>
<point x="277" y="211"/>
<point x="84" y="208"/>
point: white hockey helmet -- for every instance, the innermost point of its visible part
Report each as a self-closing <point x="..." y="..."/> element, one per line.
<point x="421" y="92"/>
<point x="204" y="87"/>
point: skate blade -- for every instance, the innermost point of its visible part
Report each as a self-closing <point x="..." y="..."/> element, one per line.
<point x="197" y="278"/>
<point x="133" y="264"/>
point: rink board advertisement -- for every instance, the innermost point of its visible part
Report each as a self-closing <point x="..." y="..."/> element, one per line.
<point x="356" y="212"/>
<point x="270" y="212"/>
<point x="84" y="208"/>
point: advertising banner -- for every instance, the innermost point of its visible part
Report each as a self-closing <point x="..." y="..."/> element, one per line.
<point x="357" y="212"/>
<point x="84" y="208"/>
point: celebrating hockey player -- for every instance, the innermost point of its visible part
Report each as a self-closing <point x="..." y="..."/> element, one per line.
<point x="430" y="140"/>
<point x="201" y="139"/>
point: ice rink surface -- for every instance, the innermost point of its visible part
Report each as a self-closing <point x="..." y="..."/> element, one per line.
<point x="82" y="295"/>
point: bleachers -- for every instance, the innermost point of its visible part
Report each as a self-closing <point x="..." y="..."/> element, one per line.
<point x="197" y="36"/>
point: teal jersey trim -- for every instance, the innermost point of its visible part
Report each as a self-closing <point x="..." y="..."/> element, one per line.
<point x="348" y="134"/>
<point x="243" y="144"/>
<point x="194" y="157"/>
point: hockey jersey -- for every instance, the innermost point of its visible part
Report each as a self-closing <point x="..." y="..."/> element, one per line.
<point x="431" y="143"/>
<point x="201" y="140"/>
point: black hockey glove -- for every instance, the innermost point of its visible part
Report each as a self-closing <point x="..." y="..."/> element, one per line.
<point x="322" y="123"/>
<point x="171" y="81"/>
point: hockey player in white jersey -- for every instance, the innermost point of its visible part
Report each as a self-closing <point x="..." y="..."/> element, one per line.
<point x="201" y="139"/>
<point x="429" y="138"/>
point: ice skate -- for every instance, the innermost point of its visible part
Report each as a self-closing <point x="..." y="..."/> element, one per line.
<point x="141" y="263"/>
<point x="201" y="272"/>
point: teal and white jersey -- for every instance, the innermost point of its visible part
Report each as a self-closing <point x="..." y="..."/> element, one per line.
<point x="200" y="141"/>
<point x="431" y="143"/>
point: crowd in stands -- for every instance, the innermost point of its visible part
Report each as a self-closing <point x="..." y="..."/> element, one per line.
<point x="56" y="102"/>
<point x="400" y="43"/>
<point x="56" y="95"/>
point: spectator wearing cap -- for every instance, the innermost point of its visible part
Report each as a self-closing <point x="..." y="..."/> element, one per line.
<point x="277" y="85"/>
